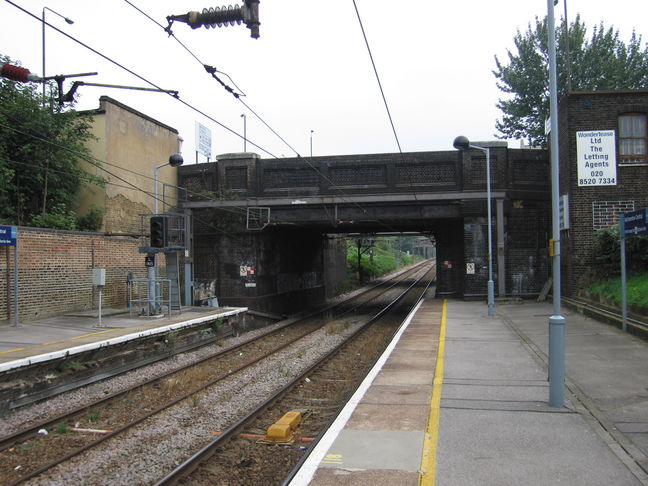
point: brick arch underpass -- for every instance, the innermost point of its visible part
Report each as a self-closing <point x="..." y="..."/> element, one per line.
<point x="295" y="260"/>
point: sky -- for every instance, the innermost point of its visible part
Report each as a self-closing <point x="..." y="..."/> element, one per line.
<point x="309" y="76"/>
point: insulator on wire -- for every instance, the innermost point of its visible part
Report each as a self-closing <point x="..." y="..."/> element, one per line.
<point x="16" y="73"/>
<point x="223" y="16"/>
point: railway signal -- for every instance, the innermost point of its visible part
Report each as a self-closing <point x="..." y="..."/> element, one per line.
<point x="158" y="231"/>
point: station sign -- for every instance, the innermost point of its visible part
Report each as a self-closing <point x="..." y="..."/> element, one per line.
<point x="635" y="223"/>
<point x="596" y="158"/>
<point x="8" y="235"/>
<point x="203" y="140"/>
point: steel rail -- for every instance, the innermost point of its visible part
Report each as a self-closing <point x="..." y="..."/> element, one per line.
<point x="21" y="435"/>
<point x="31" y="432"/>
<point x="605" y="312"/>
<point x="207" y="451"/>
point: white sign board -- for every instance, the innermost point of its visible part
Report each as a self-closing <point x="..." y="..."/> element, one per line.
<point x="203" y="140"/>
<point x="596" y="158"/>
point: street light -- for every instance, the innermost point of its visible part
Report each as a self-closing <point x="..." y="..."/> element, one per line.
<point x="462" y="143"/>
<point x="69" y="21"/>
<point x="311" y="143"/>
<point x="244" y="132"/>
<point x="556" y="321"/>
<point x="174" y="161"/>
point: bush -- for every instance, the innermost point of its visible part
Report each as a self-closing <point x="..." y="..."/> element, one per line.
<point x="607" y="252"/>
<point x="91" y="221"/>
<point x="58" y="218"/>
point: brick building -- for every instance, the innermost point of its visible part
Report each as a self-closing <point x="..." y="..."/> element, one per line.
<point x="130" y="144"/>
<point x="603" y="170"/>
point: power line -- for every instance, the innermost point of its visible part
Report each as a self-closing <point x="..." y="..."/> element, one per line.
<point x="382" y="92"/>
<point x="121" y="66"/>
<point x="210" y="70"/>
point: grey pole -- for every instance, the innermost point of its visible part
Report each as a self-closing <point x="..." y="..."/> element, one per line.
<point x="556" y="321"/>
<point x="43" y="39"/>
<point x="311" y="143"/>
<point x="174" y="161"/>
<point x="16" y="293"/>
<point x="491" y="285"/>
<point x="462" y="143"/>
<point x="624" y="277"/>
<point x="244" y="132"/>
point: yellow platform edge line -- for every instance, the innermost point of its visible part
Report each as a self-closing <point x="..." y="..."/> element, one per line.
<point x="427" y="475"/>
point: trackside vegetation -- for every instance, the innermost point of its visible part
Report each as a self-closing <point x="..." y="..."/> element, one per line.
<point x="607" y="279"/>
<point x="379" y="256"/>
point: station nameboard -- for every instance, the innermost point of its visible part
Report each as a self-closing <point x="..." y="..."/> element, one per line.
<point x="8" y="235"/>
<point x="635" y="223"/>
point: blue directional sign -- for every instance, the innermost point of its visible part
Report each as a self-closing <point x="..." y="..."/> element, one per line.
<point x="635" y="223"/>
<point x="8" y="235"/>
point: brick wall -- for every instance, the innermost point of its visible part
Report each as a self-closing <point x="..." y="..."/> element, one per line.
<point x="55" y="272"/>
<point x="595" y="207"/>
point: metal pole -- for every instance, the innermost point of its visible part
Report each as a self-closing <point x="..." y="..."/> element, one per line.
<point x="491" y="286"/>
<point x="311" y="143"/>
<point x="43" y="38"/>
<point x="152" y="271"/>
<point x="244" y="132"/>
<point x="624" y="277"/>
<point x="556" y="321"/>
<point x="100" y="292"/>
<point x="16" y="293"/>
<point x="43" y="72"/>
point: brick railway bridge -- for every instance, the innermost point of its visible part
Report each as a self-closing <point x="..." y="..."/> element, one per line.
<point x="298" y="258"/>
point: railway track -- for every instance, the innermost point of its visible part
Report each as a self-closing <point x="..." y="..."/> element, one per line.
<point x="28" y="453"/>
<point x="635" y="324"/>
<point x="243" y="455"/>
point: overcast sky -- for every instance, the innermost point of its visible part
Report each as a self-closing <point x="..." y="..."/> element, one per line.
<point x="309" y="70"/>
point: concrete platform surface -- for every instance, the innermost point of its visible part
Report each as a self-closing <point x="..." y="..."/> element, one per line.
<point x="477" y="412"/>
<point x="48" y="336"/>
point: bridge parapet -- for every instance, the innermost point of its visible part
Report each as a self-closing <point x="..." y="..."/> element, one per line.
<point x="244" y="176"/>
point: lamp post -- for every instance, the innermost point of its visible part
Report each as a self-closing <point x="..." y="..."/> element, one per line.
<point x="153" y="289"/>
<point x="69" y="21"/>
<point x="462" y="143"/>
<point x="244" y="132"/>
<point x="556" y="321"/>
<point x="311" y="143"/>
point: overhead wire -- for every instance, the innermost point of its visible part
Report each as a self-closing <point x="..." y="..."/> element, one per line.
<point x="382" y="91"/>
<point x="97" y="163"/>
<point x="192" y="107"/>
<point x="142" y="78"/>
<point x="343" y="196"/>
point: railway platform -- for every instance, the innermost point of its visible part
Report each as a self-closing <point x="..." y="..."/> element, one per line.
<point x="52" y="337"/>
<point x="462" y="399"/>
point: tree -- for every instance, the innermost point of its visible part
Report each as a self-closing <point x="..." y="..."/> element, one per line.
<point x="603" y="62"/>
<point x="40" y="150"/>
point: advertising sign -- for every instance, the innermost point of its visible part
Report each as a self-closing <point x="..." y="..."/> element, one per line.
<point x="596" y="158"/>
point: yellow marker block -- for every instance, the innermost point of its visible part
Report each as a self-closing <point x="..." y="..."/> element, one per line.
<point x="282" y="430"/>
<point x="279" y="433"/>
<point x="291" y="418"/>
